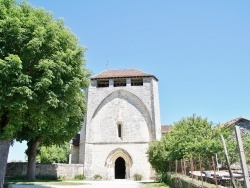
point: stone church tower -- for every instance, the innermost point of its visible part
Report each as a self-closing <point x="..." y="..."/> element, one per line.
<point x="123" y="117"/>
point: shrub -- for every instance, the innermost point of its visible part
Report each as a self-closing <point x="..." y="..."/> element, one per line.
<point x="162" y="177"/>
<point x="79" y="177"/>
<point x="47" y="177"/>
<point x="16" y="177"/>
<point x="137" y="177"/>
<point x="61" y="178"/>
<point x="97" y="177"/>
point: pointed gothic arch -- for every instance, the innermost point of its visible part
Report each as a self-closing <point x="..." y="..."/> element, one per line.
<point x="133" y="100"/>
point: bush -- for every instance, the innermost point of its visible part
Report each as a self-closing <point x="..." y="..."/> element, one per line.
<point x="178" y="182"/>
<point x="61" y="178"/>
<point x="17" y="177"/>
<point x="79" y="177"/>
<point x="38" y="177"/>
<point x="137" y="177"/>
<point x="97" y="177"/>
<point x="162" y="177"/>
<point x="47" y="177"/>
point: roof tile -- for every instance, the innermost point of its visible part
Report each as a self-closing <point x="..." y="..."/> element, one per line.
<point x="122" y="73"/>
<point x="165" y="128"/>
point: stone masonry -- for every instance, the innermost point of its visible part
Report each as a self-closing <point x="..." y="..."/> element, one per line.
<point x="68" y="171"/>
<point x="121" y="121"/>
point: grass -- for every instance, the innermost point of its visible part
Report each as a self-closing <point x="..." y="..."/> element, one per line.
<point x="154" y="185"/>
<point x="197" y="182"/>
<point x="186" y="178"/>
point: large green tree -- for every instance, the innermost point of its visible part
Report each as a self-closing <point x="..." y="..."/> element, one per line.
<point x="190" y="136"/>
<point x="42" y="77"/>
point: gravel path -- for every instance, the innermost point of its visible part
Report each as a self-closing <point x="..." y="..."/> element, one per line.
<point x="90" y="184"/>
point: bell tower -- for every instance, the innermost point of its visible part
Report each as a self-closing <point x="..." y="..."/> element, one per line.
<point x="123" y="117"/>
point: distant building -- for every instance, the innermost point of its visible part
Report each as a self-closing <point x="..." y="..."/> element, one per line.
<point x="243" y="123"/>
<point x="165" y="129"/>
<point x="123" y="117"/>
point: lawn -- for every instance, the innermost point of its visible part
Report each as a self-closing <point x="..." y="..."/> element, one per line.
<point x="154" y="185"/>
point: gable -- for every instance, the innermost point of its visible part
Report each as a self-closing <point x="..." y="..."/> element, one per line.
<point x="243" y="123"/>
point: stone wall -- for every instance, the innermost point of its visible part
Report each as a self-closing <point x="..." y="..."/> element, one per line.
<point x="136" y="109"/>
<point x="69" y="171"/>
<point x="104" y="155"/>
<point x="74" y="154"/>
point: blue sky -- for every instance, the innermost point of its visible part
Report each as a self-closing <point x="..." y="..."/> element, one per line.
<point x="199" y="50"/>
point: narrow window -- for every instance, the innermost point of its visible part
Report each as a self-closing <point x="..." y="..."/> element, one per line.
<point x="119" y="130"/>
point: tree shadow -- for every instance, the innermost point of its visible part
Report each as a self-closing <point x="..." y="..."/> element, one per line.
<point x="29" y="185"/>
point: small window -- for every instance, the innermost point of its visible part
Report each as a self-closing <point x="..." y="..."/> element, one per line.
<point x="103" y="83"/>
<point x="120" y="83"/>
<point x="119" y="130"/>
<point x="137" y="82"/>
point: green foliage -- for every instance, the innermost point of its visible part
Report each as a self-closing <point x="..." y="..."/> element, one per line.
<point x="42" y="75"/>
<point x="155" y="185"/>
<point x="137" y="177"/>
<point x="61" y="178"/>
<point x="42" y="78"/>
<point x="47" y="177"/>
<point x="178" y="182"/>
<point x="79" y="177"/>
<point x="246" y="144"/>
<point x="162" y="177"/>
<point x="38" y="177"/>
<point x="54" y="154"/>
<point x="189" y="136"/>
<point x="158" y="154"/>
<point x="16" y="177"/>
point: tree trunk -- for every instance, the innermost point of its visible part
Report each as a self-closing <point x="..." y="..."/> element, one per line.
<point x="4" y="152"/>
<point x="32" y="151"/>
<point x="4" y="147"/>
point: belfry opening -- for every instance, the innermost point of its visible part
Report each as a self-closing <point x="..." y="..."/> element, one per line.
<point x="120" y="168"/>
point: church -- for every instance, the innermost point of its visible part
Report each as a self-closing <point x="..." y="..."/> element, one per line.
<point x="122" y="118"/>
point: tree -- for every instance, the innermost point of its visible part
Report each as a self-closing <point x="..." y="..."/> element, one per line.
<point x="158" y="154"/>
<point x="246" y="144"/>
<point x="190" y="136"/>
<point x="54" y="153"/>
<point x="42" y="78"/>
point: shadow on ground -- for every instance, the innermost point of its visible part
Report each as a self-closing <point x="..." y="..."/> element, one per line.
<point x="29" y="186"/>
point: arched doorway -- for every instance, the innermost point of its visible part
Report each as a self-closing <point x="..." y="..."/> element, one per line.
<point x="120" y="168"/>
<point x="117" y="161"/>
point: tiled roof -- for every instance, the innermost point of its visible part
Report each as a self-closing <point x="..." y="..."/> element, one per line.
<point x="165" y="128"/>
<point x="234" y="121"/>
<point x="122" y="73"/>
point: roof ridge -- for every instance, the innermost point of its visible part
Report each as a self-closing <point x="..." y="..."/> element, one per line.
<point x="121" y="73"/>
<point x="231" y="122"/>
<point x="99" y="73"/>
<point x="122" y="69"/>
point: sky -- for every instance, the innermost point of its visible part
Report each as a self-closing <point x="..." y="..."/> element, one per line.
<point x="199" y="50"/>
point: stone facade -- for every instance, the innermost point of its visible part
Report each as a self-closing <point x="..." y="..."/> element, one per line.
<point x="121" y="121"/>
<point x="74" y="154"/>
<point x="68" y="171"/>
